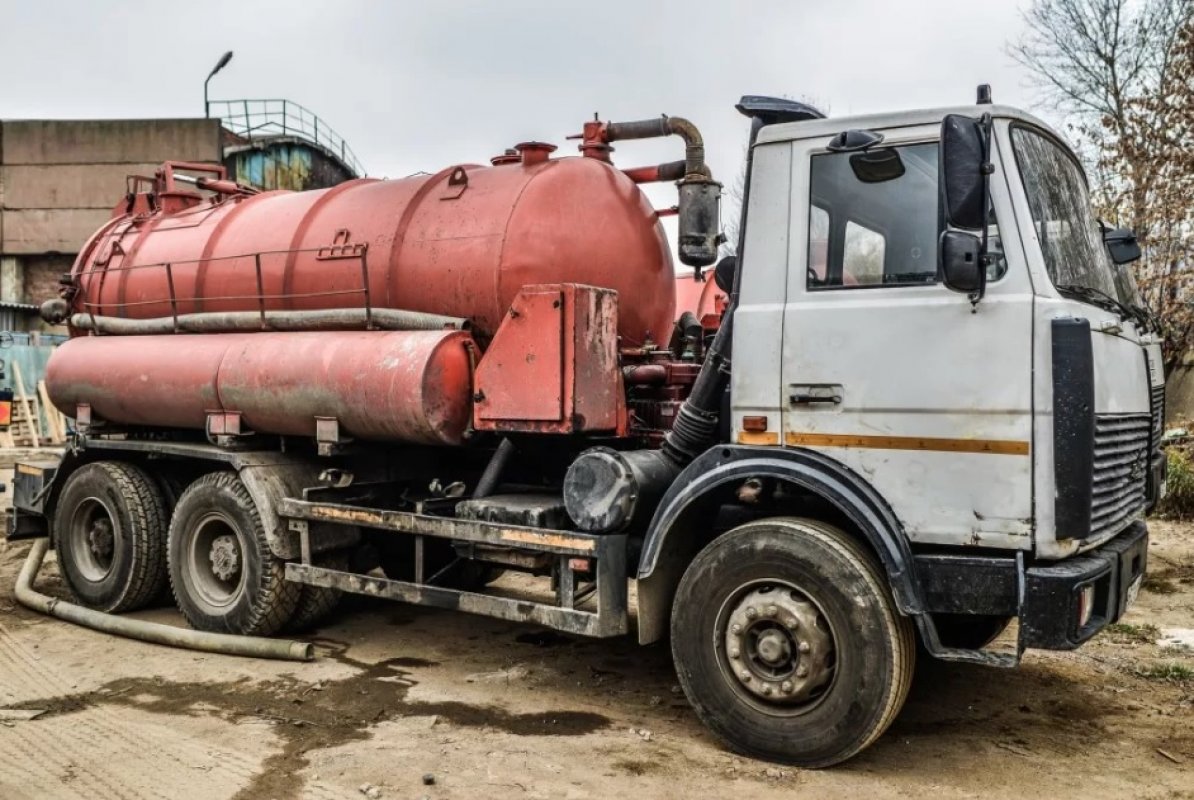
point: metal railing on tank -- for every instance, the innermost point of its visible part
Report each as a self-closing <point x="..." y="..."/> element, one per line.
<point x="271" y="305"/>
<point x="254" y="120"/>
<point x="261" y="302"/>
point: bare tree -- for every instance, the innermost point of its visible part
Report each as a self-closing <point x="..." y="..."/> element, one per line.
<point x="733" y="196"/>
<point x="1120" y="70"/>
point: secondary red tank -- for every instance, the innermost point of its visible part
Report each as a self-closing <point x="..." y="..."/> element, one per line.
<point x="410" y="386"/>
<point x="461" y="243"/>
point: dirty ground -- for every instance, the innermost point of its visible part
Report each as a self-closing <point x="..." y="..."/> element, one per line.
<point x="407" y="703"/>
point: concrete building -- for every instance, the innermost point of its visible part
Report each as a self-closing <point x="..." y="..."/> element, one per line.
<point x="60" y="179"/>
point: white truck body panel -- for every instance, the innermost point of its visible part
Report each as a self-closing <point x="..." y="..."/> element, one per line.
<point x="946" y="410"/>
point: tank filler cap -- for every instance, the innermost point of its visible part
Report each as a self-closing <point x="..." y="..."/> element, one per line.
<point x="511" y="156"/>
<point x="534" y="152"/>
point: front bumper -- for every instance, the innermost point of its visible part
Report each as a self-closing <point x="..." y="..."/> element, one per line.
<point x="1049" y="608"/>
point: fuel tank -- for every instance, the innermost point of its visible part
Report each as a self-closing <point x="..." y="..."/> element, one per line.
<point x="461" y="242"/>
<point x="410" y="386"/>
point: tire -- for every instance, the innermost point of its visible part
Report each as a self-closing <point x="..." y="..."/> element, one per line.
<point x="969" y="631"/>
<point x="224" y="577"/>
<point x="316" y="603"/>
<point x="804" y="611"/>
<point x="110" y="535"/>
<point x="171" y="486"/>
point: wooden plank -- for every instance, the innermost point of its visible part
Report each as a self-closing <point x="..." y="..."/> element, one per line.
<point x="54" y="424"/>
<point x="23" y="398"/>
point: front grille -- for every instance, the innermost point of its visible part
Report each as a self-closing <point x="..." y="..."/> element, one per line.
<point x="1121" y="452"/>
<point x="1157" y="404"/>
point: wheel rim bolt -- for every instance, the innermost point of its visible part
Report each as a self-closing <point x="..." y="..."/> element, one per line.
<point x="736" y="629"/>
<point x="802" y="672"/>
<point x="805" y="647"/>
<point x="792" y="622"/>
<point x="734" y="653"/>
<point x="772" y="611"/>
<point x="766" y="690"/>
<point x="745" y="675"/>
<point x="751" y="612"/>
<point x="786" y="687"/>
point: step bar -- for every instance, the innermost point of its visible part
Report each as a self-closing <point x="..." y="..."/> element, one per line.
<point x="606" y="553"/>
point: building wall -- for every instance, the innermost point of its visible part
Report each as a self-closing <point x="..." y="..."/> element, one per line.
<point x="284" y="163"/>
<point x="60" y="179"/>
<point x="41" y="274"/>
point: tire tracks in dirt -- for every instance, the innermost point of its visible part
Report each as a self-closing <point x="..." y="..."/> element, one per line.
<point x="72" y="755"/>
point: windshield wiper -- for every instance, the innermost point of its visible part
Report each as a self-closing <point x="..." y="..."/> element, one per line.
<point x="1149" y="320"/>
<point x="1097" y="297"/>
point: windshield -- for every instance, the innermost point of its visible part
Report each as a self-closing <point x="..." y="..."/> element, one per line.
<point x="1071" y="241"/>
<point x="1126" y="286"/>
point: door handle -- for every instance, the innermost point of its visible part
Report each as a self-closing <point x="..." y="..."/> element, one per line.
<point x="802" y="394"/>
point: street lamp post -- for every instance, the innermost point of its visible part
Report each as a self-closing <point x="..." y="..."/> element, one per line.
<point x="223" y="62"/>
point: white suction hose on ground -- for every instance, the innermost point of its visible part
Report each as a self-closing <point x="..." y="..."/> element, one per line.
<point x="227" y="644"/>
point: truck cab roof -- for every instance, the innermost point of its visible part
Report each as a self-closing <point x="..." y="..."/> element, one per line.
<point x="815" y="128"/>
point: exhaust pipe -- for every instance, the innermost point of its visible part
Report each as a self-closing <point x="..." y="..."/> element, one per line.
<point x="619" y="490"/>
<point x="700" y="195"/>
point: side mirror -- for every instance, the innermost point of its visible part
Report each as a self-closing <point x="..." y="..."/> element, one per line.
<point x="1122" y="245"/>
<point x="723" y="275"/>
<point x="964" y="170"/>
<point x="961" y="261"/>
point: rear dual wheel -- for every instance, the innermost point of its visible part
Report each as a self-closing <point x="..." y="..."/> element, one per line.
<point x="788" y="644"/>
<point x="223" y="574"/>
<point x="115" y="554"/>
<point x="109" y="533"/>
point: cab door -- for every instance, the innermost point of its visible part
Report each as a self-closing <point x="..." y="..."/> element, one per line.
<point x="924" y="395"/>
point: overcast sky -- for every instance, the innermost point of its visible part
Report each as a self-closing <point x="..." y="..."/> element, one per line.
<point x="420" y="85"/>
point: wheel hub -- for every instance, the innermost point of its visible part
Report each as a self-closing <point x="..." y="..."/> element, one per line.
<point x="778" y="645"/>
<point x="225" y="557"/>
<point x="100" y="540"/>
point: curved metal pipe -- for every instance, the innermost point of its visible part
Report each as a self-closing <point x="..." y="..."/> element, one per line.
<point x="226" y="644"/>
<point x="694" y="144"/>
<point x="659" y="173"/>
<point x="251" y="321"/>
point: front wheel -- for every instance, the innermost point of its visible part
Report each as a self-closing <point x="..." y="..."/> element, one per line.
<point x="788" y="643"/>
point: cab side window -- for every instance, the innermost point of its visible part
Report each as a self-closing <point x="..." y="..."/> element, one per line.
<point x="873" y="218"/>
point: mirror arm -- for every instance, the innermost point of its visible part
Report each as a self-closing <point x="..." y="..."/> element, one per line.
<point x="987" y="169"/>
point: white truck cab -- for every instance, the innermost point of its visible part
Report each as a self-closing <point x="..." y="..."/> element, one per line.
<point x="965" y="414"/>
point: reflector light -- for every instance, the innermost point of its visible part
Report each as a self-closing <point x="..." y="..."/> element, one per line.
<point x="1085" y="605"/>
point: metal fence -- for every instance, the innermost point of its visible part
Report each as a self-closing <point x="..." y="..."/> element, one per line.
<point x="258" y="119"/>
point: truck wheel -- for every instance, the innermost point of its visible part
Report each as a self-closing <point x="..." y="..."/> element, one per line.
<point x="316" y="603"/>
<point x="172" y="487"/>
<point x="110" y="534"/>
<point x="788" y="644"/>
<point x="223" y="574"/>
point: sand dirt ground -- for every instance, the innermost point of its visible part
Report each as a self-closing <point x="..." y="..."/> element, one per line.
<point x="496" y="710"/>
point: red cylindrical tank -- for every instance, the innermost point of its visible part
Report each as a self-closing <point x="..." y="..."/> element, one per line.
<point x="702" y="298"/>
<point x="462" y="243"/>
<point x="410" y="386"/>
